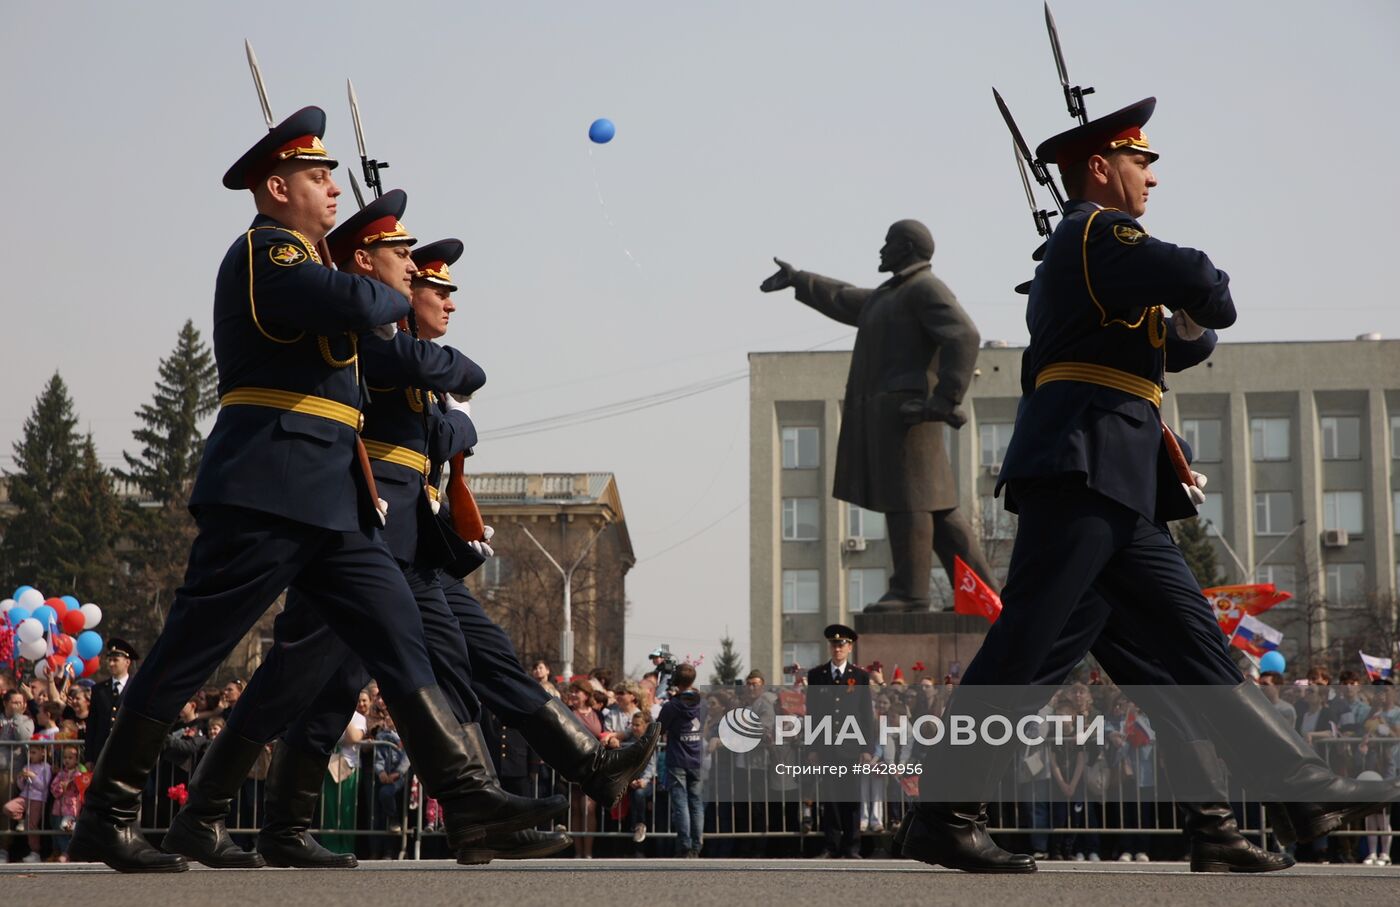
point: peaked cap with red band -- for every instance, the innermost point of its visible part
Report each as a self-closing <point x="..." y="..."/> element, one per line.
<point x="434" y="261"/>
<point x="377" y="222"/>
<point x="1118" y="131"/>
<point x="297" y="138"/>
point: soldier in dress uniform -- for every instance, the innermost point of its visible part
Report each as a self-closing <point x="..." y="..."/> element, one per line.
<point x="107" y="697"/>
<point x="838" y="690"/>
<point x="914" y="355"/>
<point x="281" y="501"/>
<point x="1095" y="477"/>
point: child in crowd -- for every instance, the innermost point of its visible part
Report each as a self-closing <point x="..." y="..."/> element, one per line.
<point x="34" y="781"/>
<point x="640" y="792"/>
<point x="66" y="799"/>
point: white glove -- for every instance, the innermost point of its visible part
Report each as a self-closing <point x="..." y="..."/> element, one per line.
<point x="490" y="533"/>
<point x="1194" y="491"/>
<point x="381" y="509"/>
<point x="482" y="549"/>
<point x="457" y="404"/>
<point x="435" y="504"/>
<point x="1186" y="329"/>
<point x="386" y="331"/>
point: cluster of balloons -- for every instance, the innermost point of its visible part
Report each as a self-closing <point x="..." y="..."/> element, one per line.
<point x="54" y="633"/>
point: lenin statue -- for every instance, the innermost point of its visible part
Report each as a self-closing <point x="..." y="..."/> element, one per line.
<point x="912" y="363"/>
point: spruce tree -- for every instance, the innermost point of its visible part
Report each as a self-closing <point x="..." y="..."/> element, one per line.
<point x="1195" y="544"/>
<point x="88" y="526"/>
<point x="727" y="665"/>
<point x="45" y="457"/>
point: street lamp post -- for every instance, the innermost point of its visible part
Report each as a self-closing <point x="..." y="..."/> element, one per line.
<point x="566" y="636"/>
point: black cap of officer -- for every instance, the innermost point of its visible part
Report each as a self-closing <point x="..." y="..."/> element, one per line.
<point x="1118" y="131"/>
<point x="840" y="633"/>
<point x="116" y="646"/>
<point x="434" y="261"/>
<point x="377" y="222"/>
<point x="297" y="138"/>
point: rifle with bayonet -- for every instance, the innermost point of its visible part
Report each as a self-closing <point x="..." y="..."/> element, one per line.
<point x="1074" y="94"/>
<point x="467" y="521"/>
<point x="381" y="508"/>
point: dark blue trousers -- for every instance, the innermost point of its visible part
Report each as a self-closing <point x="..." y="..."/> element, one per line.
<point x="306" y="655"/>
<point x="497" y="675"/>
<point x="1071" y="543"/>
<point x="241" y="561"/>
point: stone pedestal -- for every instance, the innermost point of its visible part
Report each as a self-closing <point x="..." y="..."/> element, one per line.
<point x="937" y="638"/>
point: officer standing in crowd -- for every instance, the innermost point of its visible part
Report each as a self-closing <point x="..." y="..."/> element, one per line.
<point x="281" y="501"/>
<point x="107" y="697"/>
<point x="838" y="690"/>
<point x="1095" y="478"/>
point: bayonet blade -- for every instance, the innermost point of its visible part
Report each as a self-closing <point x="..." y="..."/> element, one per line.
<point x="1038" y="168"/>
<point x="1055" y="46"/>
<point x="258" y="83"/>
<point x="355" y="187"/>
<point x="355" y="115"/>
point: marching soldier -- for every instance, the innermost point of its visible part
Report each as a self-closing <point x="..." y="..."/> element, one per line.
<point x="1095" y="477"/>
<point x="838" y="690"/>
<point x="281" y="502"/>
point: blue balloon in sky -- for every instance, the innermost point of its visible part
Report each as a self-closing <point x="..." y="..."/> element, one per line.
<point x="20" y="591"/>
<point x="88" y="644"/>
<point x="601" y="132"/>
<point x="70" y="601"/>
<point x="44" y="615"/>
<point x="1272" y="661"/>
<point x="16" y="615"/>
<point x="77" y="664"/>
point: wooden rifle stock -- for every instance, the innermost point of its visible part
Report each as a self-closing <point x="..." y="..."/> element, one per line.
<point x="1183" y="469"/>
<point x="466" y="516"/>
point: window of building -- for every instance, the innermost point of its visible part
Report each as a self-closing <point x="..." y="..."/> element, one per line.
<point x="1395" y="437"/>
<point x="864" y="586"/>
<point x="1281" y="575"/>
<point x="805" y="655"/>
<point x="1204" y="437"/>
<point x="1268" y="439"/>
<point x="1341" y="437"/>
<point x="801" y="447"/>
<point x="493" y="572"/>
<point x="866" y="524"/>
<point x="1346" y="583"/>
<point x="1342" y="510"/>
<point x="993" y="438"/>
<point x="996" y="522"/>
<point x="1212" y="513"/>
<point x="1273" y="512"/>
<point x="801" y="591"/>
<point x="802" y="519"/>
<point x="1395" y="511"/>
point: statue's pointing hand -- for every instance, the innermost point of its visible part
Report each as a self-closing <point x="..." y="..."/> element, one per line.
<point x="781" y="280"/>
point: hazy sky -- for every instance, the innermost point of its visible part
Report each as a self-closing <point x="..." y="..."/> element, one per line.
<point x="745" y="129"/>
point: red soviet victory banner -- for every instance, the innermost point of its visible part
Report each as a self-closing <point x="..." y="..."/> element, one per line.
<point x="973" y="596"/>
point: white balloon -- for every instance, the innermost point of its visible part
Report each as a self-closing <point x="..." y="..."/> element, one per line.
<point x="30" y="598"/>
<point x="41" y="669"/>
<point x="6" y="605"/>
<point x="92" y="615"/>
<point x="33" y="649"/>
<point x="29" y="630"/>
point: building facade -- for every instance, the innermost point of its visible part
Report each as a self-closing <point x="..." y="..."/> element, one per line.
<point x="1301" y="442"/>
<point x="547" y="524"/>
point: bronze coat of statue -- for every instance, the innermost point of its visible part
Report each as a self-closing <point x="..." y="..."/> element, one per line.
<point x="914" y="354"/>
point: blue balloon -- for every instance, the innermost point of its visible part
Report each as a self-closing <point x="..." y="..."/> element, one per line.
<point x="88" y="644"/>
<point x="70" y="601"/>
<point x="44" y="615"/>
<point x="20" y="591"/>
<point x="17" y="614"/>
<point x="602" y="131"/>
<point x="77" y="664"/>
<point x="1272" y="661"/>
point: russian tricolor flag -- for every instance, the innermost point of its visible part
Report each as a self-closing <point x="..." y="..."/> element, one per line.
<point x="1256" y="637"/>
<point x="1377" y="668"/>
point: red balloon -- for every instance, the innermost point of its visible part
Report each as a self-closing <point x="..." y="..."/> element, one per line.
<point x="57" y="604"/>
<point x="92" y="666"/>
<point x="55" y="664"/>
<point x="82" y="781"/>
<point x="72" y="622"/>
<point x="63" y="645"/>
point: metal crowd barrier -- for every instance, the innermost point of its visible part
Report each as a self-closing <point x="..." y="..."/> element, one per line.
<point x="743" y="803"/>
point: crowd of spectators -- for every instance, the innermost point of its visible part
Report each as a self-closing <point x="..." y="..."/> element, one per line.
<point x="1070" y="801"/>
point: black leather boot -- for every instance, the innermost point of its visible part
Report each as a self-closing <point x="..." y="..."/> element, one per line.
<point x="955" y="835"/>
<point x="571" y="749"/>
<point x="109" y="826"/>
<point x="527" y="844"/>
<point x="1314" y="800"/>
<point x="454" y="764"/>
<point x="290" y="798"/>
<point x="199" y="830"/>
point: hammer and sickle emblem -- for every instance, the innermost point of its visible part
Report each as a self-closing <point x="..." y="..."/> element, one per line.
<point x="286" y="254"/>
